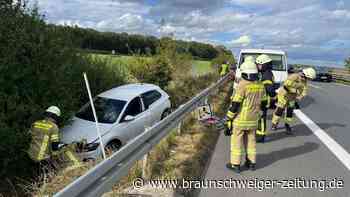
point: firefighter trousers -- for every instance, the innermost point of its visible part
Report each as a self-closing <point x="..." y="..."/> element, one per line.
<point x="243" y="140"/>
<point x="283" y="104"/>
<point x="262" y="131"/>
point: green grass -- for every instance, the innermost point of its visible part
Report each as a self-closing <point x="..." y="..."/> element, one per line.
<point x="198" y="67"/>
<point x="202" y="67"/>
<point x="124" y="59"/>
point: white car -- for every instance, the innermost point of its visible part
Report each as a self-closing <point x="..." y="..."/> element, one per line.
<point x="123" y="112"/>
<point x="279" y="63"/>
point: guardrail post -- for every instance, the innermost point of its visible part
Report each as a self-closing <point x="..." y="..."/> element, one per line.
<point x="180" y="124"/>
<point x="179" y="128"/>
<point x="144" y="167"/>
<point x="144" y="162"/>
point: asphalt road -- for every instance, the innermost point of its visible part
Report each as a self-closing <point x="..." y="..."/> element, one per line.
<point x="302" y="156"/>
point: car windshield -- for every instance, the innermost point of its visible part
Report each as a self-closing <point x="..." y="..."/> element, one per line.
<point x="277" y="60"/>
<point x="107" y="110"/>
<point x="322" y="69"/>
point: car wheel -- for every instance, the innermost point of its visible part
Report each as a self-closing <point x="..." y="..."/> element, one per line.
<point x="112" y="147"/>
<point x="165" y="113"/>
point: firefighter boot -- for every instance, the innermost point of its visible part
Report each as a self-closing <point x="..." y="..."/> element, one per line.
<point x="288" y="129"/>
<point x="235" y="168"/>
<point x="260" y="138"/>
<point x="274" y="127"/>
<point x="249" y="165"/>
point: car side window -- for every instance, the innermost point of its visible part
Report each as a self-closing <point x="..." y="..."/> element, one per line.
<point x="150" y="97"/>
<point x="134" y="108"/>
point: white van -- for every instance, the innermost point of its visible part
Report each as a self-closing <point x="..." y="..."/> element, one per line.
<point x="279" y="63"/>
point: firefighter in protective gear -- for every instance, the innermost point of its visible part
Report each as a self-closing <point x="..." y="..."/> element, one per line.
<point x="224" y="69"/>
<point x="264" y="64"/>
<point x="243" y="115"/>
<point x="45" y="145"/>
<point x="249" y="59"/>
<point x="293" y="89"/>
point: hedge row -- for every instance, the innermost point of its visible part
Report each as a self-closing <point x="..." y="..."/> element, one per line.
<point x="39" y="67"/>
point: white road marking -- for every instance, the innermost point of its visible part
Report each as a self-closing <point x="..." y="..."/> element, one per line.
<point x="340" y="84"/>
<point x="314" y="86"/>
<point x="332" y="145"/>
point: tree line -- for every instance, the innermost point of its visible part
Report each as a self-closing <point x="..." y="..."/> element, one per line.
<point x="128" y="44"/>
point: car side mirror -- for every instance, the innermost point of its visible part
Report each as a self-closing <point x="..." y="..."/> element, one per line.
<point x="129" y="118"/>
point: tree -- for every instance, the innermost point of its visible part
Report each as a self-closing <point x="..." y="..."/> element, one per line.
<point x="347" y="63"/>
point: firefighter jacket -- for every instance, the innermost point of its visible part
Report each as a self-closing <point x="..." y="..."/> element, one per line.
<point x="295" y="86"/>
<point x="44" y="133"/>
<point x="247" y="104"/>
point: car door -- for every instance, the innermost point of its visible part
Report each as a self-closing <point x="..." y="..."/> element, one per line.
<point x="153" y="104"/>
<point x="137" y="125"/>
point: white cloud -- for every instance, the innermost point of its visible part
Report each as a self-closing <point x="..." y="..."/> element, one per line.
<point x="297" y="45"/>
<point x="339" y="14"/>
<point x="242" y="41"/>
<point x="254" y="2"/>
<point x="305" y="29"/>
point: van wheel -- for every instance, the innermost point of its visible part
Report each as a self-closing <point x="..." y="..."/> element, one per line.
<point x="165" y="113"/>
<point x="112" y="147"/>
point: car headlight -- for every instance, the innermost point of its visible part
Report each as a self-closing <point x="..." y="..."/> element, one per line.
<point x="90" y="147"/>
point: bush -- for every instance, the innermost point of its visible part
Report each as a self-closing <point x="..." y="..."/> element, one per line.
<point x="39" y="67"/>
<point x="183" y="90"/>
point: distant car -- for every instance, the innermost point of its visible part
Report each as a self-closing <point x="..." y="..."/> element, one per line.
<point x="322" y="74"/>
<point x="293" y="69"/>
<point x="123" y="112"/>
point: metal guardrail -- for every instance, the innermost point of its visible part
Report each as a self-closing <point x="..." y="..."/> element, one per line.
<point x="342" y="77"/>
<point x="103" y="176"/>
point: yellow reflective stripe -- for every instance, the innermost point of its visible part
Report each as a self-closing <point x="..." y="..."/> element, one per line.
<point x="43" y="147"/>
<point x="54" y="137"/>
<point x="267" y="82"/>
<point x="289" y="120"/>
<point x="243" y="123"/>
<point x="72" y="158"/>
<point x="230" y="114"/>
<point x="289" y="83"/>
<point x="237" y="98"/>
<point x="229" y="124"/>
<point x="268" y="99"/>
<point x="236" y="152"/>
<point x="42" y="125"/>
<point x="251" y="151"/>
<point x="281" y="101"/>
<point x="258" y="132"/>
<point x="262" y="130"/>
<point x="255" y="90"/>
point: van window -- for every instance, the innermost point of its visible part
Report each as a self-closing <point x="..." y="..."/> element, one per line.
<point x="150" y="97"/>
<point x="277" y="60"/>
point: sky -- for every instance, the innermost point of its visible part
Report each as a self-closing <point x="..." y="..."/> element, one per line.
<point x="310" y="31"/>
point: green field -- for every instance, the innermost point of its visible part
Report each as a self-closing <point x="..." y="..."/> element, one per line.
<point x="201" y="67"/>
<point x="198" y="67"/>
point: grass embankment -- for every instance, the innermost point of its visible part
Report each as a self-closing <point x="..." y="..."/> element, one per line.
<point x="199" y="67"/>
<point x="181" y="156"/>
<point x="202" y="67"/>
